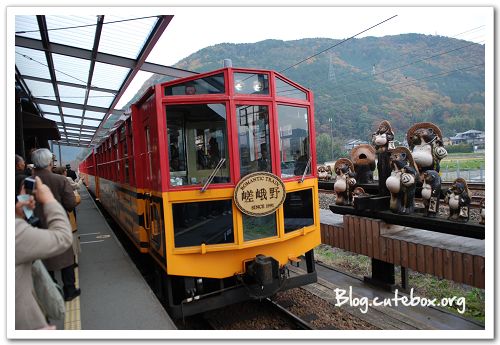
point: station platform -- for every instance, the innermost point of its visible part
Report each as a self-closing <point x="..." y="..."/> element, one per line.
<point x="114" y="294"/>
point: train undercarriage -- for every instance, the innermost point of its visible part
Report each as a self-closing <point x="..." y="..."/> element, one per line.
<point x="185" y="296"/>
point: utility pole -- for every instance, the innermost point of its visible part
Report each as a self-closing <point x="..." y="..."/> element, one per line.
<point x="331" y="136"/>
<point x="331" y="71"/>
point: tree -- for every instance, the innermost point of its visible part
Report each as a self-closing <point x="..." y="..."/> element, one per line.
<point x="323" y="147"/>
<point x="329" y="149"/>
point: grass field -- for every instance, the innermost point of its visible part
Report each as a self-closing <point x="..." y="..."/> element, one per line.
<point x="463" y="161"/>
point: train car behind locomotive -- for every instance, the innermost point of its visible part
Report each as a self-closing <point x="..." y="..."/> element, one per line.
<point x="212" y="176"/>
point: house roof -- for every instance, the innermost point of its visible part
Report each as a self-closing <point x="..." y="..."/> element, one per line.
<point x="465" y="135"/>
<point x="472" y="131"/>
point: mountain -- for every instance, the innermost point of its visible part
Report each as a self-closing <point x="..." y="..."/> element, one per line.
<point x="405" y="79"/>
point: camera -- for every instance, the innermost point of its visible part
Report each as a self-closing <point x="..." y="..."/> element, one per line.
<point x="34" y="221"/>
<point x="29" y="185"/>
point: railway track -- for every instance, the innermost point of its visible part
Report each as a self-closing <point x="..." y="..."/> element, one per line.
<point x="473" y="186"/>
<point x="477" y="190"/>
<point x="249" y="315"/>
<point x="296" y="320"/>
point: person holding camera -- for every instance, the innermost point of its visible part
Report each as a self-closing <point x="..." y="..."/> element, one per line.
<point x="34" y="243"/>
<point x="63" y="193"/>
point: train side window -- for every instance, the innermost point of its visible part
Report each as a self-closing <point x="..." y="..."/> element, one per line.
<point x="117" y="173"/>
<point x="284" y="89"/>
<point x="117" y="152"/>
<point x="197" y="141"/>
<point x="294" y="140"/>
<point x="253" y="138"/>
<point x="251" y="83"/>
<point x="209" y="222"/>
<point x="127" y="178"/>
<point x="298" y="209"/>
<point x="149" y="176"/>
<point x="124" y="146"/>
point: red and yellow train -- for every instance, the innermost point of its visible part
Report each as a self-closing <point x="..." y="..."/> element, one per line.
<point x="212" y="176"/>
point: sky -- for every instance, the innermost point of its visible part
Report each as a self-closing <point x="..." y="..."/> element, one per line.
<point x="194" y="28"/>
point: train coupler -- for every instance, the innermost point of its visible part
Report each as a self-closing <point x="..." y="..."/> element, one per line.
<point x="263" y="277"/>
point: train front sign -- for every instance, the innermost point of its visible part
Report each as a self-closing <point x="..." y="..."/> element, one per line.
<point x="170" y="176"/>
<point x="259" y="194"/>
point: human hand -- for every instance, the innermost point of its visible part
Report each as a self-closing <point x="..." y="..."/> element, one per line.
<point x="49" y="328"/>
<point x="30" y="203"/>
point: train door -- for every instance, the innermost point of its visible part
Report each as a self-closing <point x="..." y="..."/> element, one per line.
<point x="96" y="174"/>
<point x="152" y="201"/>
<point x="148" y="177"/>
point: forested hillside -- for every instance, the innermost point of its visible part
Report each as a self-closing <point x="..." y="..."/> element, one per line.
<point x="405" y="79"/>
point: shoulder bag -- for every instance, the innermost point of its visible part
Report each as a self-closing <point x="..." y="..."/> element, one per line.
<point x="48" y="294"/>
<point x="77" y="197"/>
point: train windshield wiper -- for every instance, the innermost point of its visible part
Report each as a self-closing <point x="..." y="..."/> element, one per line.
<point x="305" y="170"/>
<point x="212" y="175"/>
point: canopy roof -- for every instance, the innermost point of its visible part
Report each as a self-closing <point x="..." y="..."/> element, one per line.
<point x="74" y="69"/>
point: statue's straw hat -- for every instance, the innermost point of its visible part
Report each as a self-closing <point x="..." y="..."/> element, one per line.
<point x="386" y="124"/>
<point x="420" y="125"/>
<point x="341" y="161"/>
<point x="359" y="150"/>
<point x="401" y="149"/>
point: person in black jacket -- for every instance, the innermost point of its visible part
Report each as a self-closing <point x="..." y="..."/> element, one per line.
<point x="71" y="173"/>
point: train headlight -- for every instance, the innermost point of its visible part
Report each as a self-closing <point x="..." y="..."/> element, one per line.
<point x="257" y="86"/>
<point x="238" y="85"/>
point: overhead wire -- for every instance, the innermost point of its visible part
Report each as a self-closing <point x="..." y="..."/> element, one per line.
<point x="337" y="44"/>
<point x="409" y="64"/>
<point x="432" y="76"/>
<point x="86" y="25"/>
<point x="55" y="69"/>
<point x="417" y="49"/>
<point x="344" y="95"/>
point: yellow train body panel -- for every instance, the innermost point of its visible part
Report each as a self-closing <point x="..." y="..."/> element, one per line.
<point x="122" y="204"/>
<point x="225" y="260"/>
<point x="226" y="263"/>
<point x="127" y="206"/>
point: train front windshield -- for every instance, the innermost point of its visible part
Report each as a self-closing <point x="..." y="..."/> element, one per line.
<point x="197" y="141"/>
<point x="261" y="123"/>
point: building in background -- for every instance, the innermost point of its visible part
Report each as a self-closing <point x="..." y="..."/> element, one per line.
<point x="472" y="136"/>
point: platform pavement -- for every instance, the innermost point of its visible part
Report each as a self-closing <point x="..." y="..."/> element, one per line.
<point x="114" y="294"/>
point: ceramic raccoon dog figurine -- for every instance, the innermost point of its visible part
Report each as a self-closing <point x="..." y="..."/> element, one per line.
<point x="345" y="181"/>
<point x="431" y="190"/>
<point x="401" y="183"/>
<point x="458" y="198"/>
<point x="426" y="146"/>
